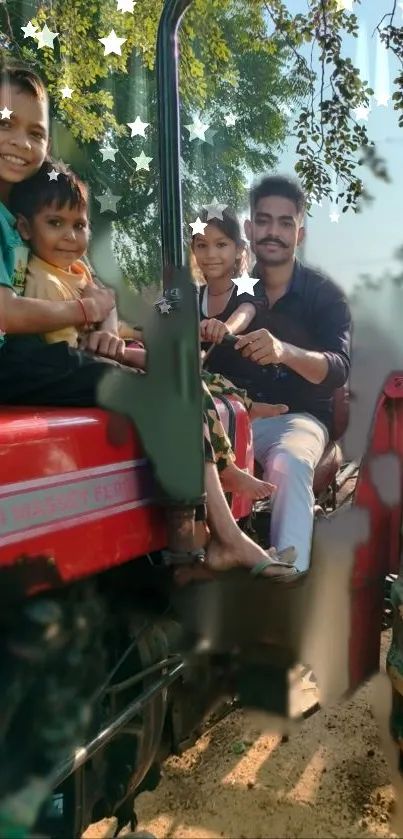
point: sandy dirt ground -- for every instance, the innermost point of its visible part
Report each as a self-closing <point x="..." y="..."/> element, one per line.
<point x="329" y="780"/>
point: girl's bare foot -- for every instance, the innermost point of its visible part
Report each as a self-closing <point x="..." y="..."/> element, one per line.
<point x="234" y="479"/>
<point x="263" y="409"/>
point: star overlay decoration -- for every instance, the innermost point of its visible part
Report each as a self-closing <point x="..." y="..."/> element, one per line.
<point x="215" y="210"/>
<point x="53" y="175"/>
<point x="45" y="38"/>
<point x="334" y="217"/>
<point x="198" y="226"/>
<point x="230" y="119"/>
<point x="245" y="284"/>
<point x="125" y="6"/>
<point x="163" y="307"/>
<point x="142" y="162"/>
<point x="197" y="130"/>
<point x="112" y="43"/>
<point x="361" y="113"/>
<point x="108" y="201"/>
<point x="6" y="113"/>
<point x="29" y="30"/>
<point x="108" y="154"/>
<point x="66" y="92"/>
<point x="382" y="99"/>
<point x="138" y="127"/>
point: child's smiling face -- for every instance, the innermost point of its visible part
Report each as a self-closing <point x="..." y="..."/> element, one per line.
<point x="58" y="235"/>
<point x="24" y="136"/>
<point x="215" y="253"/>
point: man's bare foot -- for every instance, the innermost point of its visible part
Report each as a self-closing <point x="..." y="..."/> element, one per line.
<point x="234" y="479"/>
<point x="263" y="409"/>
<point x="244" y="553"/>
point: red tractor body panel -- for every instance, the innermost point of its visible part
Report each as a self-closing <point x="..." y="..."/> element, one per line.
<point x="68" y="494"/>
<point x="380" y="555"/>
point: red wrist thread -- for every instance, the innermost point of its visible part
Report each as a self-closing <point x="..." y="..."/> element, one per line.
<point x="86" y="321"/>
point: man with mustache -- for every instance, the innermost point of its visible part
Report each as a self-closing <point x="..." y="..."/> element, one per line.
<point x="300" y="343"/>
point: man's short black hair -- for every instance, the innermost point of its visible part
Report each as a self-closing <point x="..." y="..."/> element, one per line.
<point x="281" y="187"/>
<point x="29" y="197"/>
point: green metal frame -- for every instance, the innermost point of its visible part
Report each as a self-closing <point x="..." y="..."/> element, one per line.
<point x="166" y="405"/>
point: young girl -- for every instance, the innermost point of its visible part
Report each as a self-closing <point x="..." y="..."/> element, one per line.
<point x="219" y="256"/>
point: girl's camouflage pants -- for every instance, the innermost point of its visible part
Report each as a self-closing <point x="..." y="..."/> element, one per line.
<point x="214" y="383"/>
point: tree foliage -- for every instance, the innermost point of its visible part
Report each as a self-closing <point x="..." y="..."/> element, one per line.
<point x="229" y="63"/>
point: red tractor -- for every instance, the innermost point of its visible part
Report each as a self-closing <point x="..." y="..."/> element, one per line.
<point x="98" y="646"/>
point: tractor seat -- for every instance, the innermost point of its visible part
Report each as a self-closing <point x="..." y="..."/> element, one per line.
<point x="327" y="468"/>
<point x="332" y="457"/>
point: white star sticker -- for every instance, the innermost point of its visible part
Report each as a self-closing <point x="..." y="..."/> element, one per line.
<point x="142" y="162"/>
<point x="382" y="99"/>
<point x="198" y="226"/>
<point x="53" y="175"/>
<point x="29" y="30"/>
<point x="197" y="130"/>
<point x="108" y="154"/>
<point x="125" y="6"/>
<point x="108" y="201"/>
<point x="230" y="119"/>
<point x="63" y="165"/>
<point x="46" y="38"/>
<point x="361" y="113"/>
<point x="334" y="217"/>
<point x="245" y="283"/>
<point x="215" y="210"/>
<point x="138" y="127"/>
<point x="164" y="307"/>
<point x="66" y="92"/>
<point x="112" y="43"/>
<point x="6" y="113"/>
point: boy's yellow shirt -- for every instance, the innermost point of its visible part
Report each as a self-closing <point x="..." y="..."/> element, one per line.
<point x="46" y="282"/>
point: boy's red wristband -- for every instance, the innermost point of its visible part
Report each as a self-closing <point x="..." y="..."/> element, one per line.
<point x="86" y="321"/>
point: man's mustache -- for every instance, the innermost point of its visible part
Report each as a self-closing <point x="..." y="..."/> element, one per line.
<point x="270" y="241"/>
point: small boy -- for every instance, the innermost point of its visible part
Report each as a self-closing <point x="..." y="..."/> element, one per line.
<point x="53" y="219"/>
<point x="33" y="372"/>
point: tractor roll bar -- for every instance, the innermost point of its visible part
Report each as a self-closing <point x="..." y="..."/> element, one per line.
<point x="169" y="134"/>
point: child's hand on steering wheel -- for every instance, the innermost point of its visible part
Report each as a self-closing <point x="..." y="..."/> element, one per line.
<point x="212" y="331"/>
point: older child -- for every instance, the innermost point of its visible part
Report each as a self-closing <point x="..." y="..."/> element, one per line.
<point x="31" y="371"/>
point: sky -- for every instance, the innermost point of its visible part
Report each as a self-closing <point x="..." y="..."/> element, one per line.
<point x="363" y="243"/>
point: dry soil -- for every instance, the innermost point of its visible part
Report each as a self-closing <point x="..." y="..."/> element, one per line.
<point x="329" y="780"/>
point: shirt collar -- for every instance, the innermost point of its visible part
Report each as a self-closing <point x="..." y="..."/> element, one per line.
<point x="296" y="283"/>
<point x="12" y="221"/>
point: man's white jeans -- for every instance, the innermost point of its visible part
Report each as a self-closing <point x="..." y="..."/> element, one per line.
<point x="288" y="449"/>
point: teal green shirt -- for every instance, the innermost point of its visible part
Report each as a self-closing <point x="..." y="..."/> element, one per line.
<point x="13" y="256"/>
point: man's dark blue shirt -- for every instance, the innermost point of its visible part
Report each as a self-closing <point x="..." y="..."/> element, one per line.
<point x="314" y="315"/>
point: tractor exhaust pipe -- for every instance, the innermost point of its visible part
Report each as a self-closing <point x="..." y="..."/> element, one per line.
<point x="181" y="521"/>
<point x="169" y="136"/>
